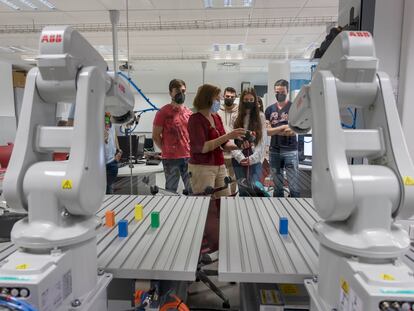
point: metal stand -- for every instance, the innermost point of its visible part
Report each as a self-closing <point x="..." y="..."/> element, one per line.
<point x="203" y="276"/>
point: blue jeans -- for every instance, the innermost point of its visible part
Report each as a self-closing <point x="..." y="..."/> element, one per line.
<point x="111" y="173"/>
<point x="173" y="168"/>
<point x="240" y="171"/>
<point x="288" y="161"/>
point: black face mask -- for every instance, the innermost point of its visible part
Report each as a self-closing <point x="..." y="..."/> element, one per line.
<point x="229" y="102"/>
<point x="179" y="98"/>
<point x="280" y="97"/>
<point x="249" y="105"/>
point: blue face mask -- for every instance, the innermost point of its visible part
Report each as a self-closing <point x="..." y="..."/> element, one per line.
<point x="216" y="106"/>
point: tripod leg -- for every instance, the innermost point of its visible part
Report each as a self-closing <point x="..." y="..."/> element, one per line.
<point x="203" y="278"/>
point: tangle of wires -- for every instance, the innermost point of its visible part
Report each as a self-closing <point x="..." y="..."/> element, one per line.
<point x="354" y="119"/>
<point x="9" y="303"/>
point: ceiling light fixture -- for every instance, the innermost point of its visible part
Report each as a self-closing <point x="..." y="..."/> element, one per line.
<point x="10" y="4"/>
<point x="29" y="4"/>
<point x="29" y="58"/>
<point x="6" y="50"/>
<point x="17" y="49"/>
<point x="208" y="4"/>
<point x="47" y="4"/>
<point x="228" y="64"/>
<point x="247" y="3"/>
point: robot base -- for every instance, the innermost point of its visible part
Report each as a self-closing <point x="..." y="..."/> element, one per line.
<point x="56" y="281"/>
<point x="354" y="285"/>
<point x="96" y="300"/>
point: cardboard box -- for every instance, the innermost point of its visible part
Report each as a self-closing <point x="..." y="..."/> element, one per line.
<point x="19" y="78"/>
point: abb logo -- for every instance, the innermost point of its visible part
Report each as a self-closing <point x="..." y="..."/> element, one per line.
<point x="363" y="34"/>
<point x="121" y="87"/>
<point x="51" y="39"/>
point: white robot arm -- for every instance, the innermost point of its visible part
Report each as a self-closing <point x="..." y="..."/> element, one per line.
<point x="350" y="79"/>
<point x="359" y="239"/>
<point x="62" y="197"/>
<point x="68" y="67"/>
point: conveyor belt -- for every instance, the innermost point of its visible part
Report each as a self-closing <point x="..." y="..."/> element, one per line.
<point x="6" y="249"/>
<point x="170" y="252"/>
<point x="409" y="256"/>
<point x="251" y="249"/>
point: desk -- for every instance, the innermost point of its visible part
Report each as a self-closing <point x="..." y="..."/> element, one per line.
<point x="304" y="167"/>
<point x="6" y="249"/>
<point x="140" y="170"/>
<point x="305" y="183"/>
<point x="154" y="173"/>
<point x="251" y="249"/>
<point x="170" y="252"/>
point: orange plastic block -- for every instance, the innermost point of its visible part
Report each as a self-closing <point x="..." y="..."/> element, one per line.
<point x="109" y="219"/>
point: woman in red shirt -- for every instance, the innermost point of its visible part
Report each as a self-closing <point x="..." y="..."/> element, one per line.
<point x="208" y="139"/>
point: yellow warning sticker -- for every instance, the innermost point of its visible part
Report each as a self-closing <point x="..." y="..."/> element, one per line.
<point x="67" y="184"/>
<point x="345" y="286"/>
<point x="387" y="277"/>
<point x="408" y="180"/>
<point x="270" y="297"/>
<point x="289" y="289"/>
<point x="22" y="267"/>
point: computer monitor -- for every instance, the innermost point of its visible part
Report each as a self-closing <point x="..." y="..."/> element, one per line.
<point x="307" y="146"/>
<point x="149" y="144"/>
<point x="140" y="146"/>
<point x="124" y="144"/>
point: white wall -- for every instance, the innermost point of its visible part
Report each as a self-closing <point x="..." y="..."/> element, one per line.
<point x="276" y="71"/>
<point x="343" y="10"/>
<point x="406" y="89"/>
<point x="387" y="36"/>
<point x="7" y="109"/>
<point x="155" y="87"/>
<point x="6" y="90"/>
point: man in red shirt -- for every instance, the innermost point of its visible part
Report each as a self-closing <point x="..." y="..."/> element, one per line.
<point x="170" y="134"/>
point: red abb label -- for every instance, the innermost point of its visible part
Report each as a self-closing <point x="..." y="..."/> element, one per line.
<point x="54" y="38"/>
<point x="361" y="34"/>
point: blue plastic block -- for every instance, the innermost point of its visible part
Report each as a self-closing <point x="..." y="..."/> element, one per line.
<point x="123" y="228"/>
<point x="283" y="226"/>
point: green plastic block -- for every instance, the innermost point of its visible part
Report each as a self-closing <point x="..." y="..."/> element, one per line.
<point x="155" y="220"/>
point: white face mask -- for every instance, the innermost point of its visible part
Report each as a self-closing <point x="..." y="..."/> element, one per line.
<point x="216" y="106"/>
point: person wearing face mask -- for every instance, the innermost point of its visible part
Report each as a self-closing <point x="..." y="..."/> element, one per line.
<point x="247" y="163"/>
<point x="112" y="153"/>
<point x="228" y="113"/>
<point x="283" y="146"/>
<point x="208" y="139"/>
<point x="170" y="134"/>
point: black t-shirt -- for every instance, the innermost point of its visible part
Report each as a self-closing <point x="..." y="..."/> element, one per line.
<point x="276" y="118"/>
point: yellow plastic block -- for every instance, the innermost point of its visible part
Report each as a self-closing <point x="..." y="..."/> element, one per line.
<point x="139" y="212"/>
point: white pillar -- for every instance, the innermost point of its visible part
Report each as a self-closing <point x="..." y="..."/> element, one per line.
<point x="387" y="37"/>
<point x="406" y="88"/>
<point x="276" y="71"/>
<point x="7" y="109"/>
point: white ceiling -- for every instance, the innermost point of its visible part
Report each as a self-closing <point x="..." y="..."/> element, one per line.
<point x="275" y="41"/>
